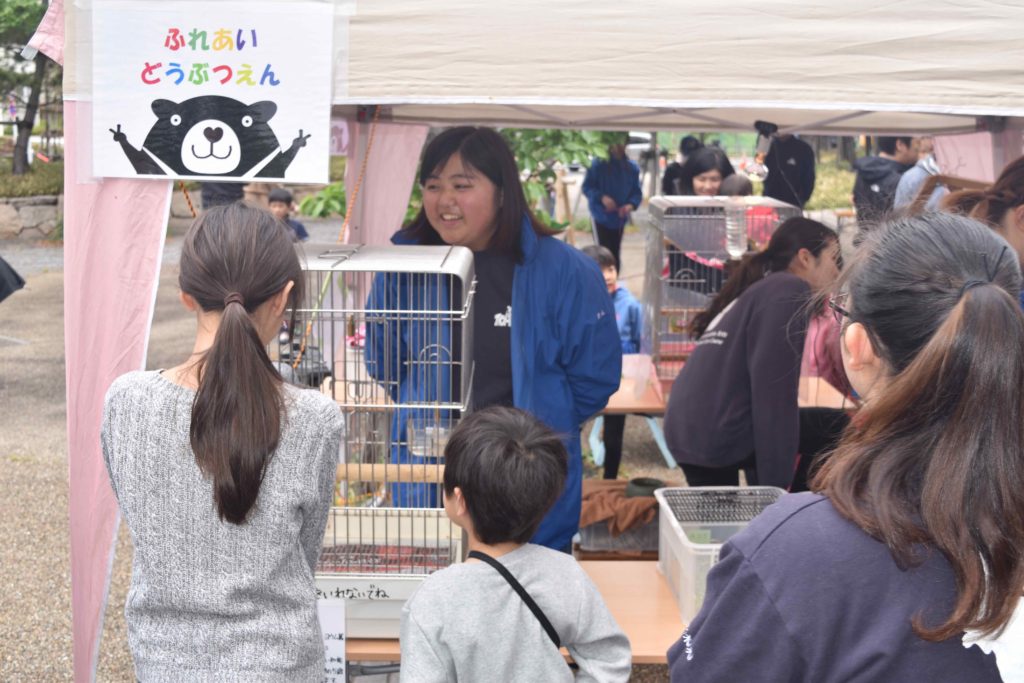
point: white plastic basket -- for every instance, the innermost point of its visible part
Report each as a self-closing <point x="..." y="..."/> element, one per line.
<point x="694" y="523"/>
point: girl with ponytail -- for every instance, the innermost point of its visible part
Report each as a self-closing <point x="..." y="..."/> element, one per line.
<point x="907" y="564"/>
<point x="224" y="473"/>
<point x="734" y="404"/>
<point x="999" y="206"/>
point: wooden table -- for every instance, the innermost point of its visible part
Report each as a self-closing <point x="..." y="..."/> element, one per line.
<point x="636" y="595"/>
<point x="640" y="600"/>
<point x="625" y="401"/>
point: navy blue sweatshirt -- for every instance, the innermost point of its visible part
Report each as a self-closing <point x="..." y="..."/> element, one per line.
<point x="737" y="394"/>
<point x="803" y="594"/>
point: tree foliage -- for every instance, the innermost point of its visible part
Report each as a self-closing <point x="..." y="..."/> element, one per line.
<point x="18" y="21"/>
<point x="540" y="151"/>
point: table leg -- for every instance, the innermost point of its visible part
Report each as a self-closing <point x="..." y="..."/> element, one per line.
<point x="659" y="438"/>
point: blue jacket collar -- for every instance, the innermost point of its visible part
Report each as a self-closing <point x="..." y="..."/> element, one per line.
<point x="529" y="243"/>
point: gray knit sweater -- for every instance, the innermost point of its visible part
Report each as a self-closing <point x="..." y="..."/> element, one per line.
<point x="465" y="623"/>
<point x="210" y="600"/>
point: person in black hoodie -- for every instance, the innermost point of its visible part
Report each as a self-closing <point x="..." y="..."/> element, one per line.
<point x="687" y="146"/>
<point x="790" y="163"/>
<point x="734" y="404"/>
<point x="877" y="177"/>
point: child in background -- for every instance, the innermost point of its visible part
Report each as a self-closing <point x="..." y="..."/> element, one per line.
<point x="281" y="205"/>
<point x="503" y="471"/>
<point x="629" y="318"/>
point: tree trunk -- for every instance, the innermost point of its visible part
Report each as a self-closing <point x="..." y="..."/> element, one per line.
<point x="25" y="125"/>
<point x="847" y="151"/>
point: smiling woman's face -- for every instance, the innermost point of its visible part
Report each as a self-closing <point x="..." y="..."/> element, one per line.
<point x="461" y="204"/>
<point x="707" y="183"/>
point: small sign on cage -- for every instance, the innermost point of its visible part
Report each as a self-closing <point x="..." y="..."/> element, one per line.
<point x="332" y="628"/>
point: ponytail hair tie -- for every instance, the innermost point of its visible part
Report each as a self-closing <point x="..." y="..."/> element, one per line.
<point x="971" y="284"/>
<point x="234" y="298"/>
<point x="991" y="273"/>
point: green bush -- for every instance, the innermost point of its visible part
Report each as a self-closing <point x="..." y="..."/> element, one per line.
<point x="42" y="178"/>
<point x="327" y="202"/>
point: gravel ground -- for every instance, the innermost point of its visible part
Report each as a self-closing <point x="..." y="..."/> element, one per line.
<point x="35" y="615"/>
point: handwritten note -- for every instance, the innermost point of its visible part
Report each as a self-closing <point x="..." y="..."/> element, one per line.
<point x="332" y="626"/>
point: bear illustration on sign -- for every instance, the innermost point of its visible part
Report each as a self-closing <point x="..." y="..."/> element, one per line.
<point x="211" y="136"/>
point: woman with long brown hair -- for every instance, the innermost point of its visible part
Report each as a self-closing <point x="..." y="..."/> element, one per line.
<point x="224" y="473"/>
<point x="911" y="548"/>
<point x="999" y="206"/>
<point x="734" y="404"/>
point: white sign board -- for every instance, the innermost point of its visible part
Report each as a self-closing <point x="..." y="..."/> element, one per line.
<point x="332" y="626"/>
<point x="212" y="91"/>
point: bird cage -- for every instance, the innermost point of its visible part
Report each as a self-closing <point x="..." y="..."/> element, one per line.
<point x="686" y="259"/>
<point x="387" y="333"/>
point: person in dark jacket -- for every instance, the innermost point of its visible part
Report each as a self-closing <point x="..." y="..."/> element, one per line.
<point x="878" y="176"/>
<point x="790" y="162"/>
<point x="544" y="334"/>
<point x="612" y="188"/>
<point x="734" y="404"/>
<point x="669" y="182"/>
<point x="905" y="565"/>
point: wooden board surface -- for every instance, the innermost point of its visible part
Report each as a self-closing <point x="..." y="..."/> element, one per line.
<point x="636" y="594"/>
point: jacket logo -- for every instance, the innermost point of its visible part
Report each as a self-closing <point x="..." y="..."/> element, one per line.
<point x="503" y="319"/>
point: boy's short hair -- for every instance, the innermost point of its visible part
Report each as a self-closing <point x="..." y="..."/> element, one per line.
<point x="736" y="185"/>
<point x="511" y="469"/>
<point x="887" y="144"/>
<point x="279" y="194"/>
<point x="602" y="255"/>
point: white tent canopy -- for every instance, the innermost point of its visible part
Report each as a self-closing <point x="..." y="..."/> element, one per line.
<point x="835" y="66"/>
<point x="868" y="66"/>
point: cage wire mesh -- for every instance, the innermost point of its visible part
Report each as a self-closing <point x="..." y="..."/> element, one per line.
<point x="686" y="258"/>
<point x="387" y="333"/>
<point x="711" y="505"/>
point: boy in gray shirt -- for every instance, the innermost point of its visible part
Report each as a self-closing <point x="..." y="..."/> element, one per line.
<point x="503" y="471"/>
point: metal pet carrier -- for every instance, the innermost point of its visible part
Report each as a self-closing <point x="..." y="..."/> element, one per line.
<point x="686" y="259"/>
<point x="387" y="332"/>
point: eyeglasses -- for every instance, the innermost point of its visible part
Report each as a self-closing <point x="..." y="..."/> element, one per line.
<point x="835" y="302"/>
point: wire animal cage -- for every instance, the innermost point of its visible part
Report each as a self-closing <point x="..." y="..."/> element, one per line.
<point x="686" y="259"/>
<point x="387" y="332"/>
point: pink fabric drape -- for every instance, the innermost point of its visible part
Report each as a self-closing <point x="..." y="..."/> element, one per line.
<point x="966" y="156"/>
<point x="387" y="184"/>
<point x="113" y="239"/>
<point x="978" y="156"/>
<point x="49" y="35"/>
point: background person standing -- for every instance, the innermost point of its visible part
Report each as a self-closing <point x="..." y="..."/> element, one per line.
<point x="790" y="163"/>
<point x="613" y="191"/>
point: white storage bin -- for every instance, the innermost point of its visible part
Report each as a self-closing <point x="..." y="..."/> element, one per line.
<point x="694" y="523"/>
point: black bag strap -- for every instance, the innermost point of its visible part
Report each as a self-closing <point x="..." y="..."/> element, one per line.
<point x="518" y="588"/>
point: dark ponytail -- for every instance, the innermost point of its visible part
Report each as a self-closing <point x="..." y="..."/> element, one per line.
<point x="934" y="461"/>
<point x="235" y="258"/>
<point x="787" y="241"/>
<point x="991" y="204"/>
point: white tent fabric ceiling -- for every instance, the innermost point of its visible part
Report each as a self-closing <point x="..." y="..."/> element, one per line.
<point x="871" y="66"/>
<point x="817" y="66"/>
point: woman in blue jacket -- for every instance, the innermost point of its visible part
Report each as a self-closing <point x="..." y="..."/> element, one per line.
<point x="544" y="331"/>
